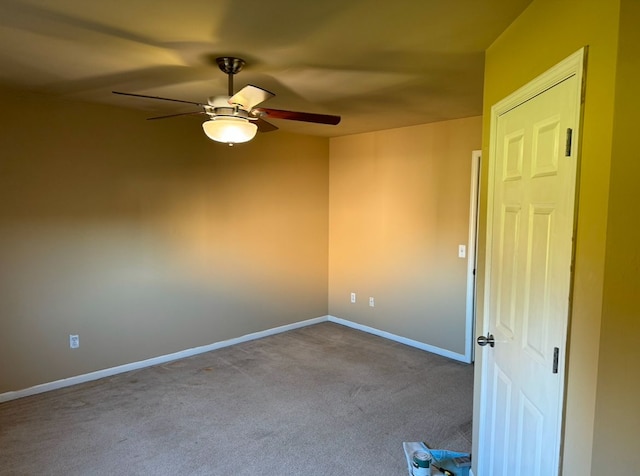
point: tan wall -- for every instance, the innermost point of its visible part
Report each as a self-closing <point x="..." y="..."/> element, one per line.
<point x="617" y="418"/>
<point x="399" y="208"/>
<point x="146" y="238"/>
<point x="547" y="32"/>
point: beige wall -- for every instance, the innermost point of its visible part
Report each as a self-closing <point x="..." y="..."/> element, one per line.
<point x="547" y="32"/>
<point x="617" y="417"/>
<point x="399" y="208"/>
<point x="146" y="238"/>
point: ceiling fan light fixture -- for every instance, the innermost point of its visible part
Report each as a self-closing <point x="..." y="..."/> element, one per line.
<point x="230" y="130"/>
<point x="232" y="118"/>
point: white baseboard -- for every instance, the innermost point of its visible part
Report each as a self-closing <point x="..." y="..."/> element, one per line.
<point x="67" y="382"/>
<point x="402" y="340"/>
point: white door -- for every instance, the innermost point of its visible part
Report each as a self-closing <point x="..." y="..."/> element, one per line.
<point x="528" y="278"/>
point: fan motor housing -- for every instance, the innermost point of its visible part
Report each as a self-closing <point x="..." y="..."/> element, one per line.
<point x="219" y="106"/>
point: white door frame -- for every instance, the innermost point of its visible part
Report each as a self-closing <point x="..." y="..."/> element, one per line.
<point x="472" y="245"/>
<point x="571" y="66"/>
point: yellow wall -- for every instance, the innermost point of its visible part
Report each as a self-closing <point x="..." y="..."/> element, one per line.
<point x="547" y="32"/>
<point x="617" y="418"/>
<point x="146" y="238"/>
<point x="399" y="208"/>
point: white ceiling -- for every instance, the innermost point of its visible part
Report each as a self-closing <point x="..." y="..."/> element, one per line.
<point x="378" y="64"/>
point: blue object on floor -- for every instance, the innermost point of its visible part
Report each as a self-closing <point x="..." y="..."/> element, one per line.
<point x="441" y="458"/>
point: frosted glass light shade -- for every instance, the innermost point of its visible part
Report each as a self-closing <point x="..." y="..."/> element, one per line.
<point x="230" y="130"/>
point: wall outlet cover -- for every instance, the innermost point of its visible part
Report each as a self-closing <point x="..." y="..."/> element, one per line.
<point x="74" y="341"/>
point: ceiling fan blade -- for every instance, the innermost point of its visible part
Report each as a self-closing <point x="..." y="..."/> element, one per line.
<point x="157" y="97"/>
<point x="297" y="116"/>
<point x="197" y="113"/>
<point x="250" y="96"/>
<point x="264" y="126"/>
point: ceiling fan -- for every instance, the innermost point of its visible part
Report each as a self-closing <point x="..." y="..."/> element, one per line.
<point x="235" y="118"/>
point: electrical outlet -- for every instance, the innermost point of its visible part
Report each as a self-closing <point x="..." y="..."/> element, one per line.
<point x="353" y="298"/>
<point x="74" y="341"/>
<point x="372" y="302"/>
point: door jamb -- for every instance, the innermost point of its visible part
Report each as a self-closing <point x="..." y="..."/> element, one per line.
<point x="469" y="353"/>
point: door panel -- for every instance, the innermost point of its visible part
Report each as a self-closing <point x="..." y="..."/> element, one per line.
<point x="529" y="442"/>
<point x="500" y="422"/>
<point x="536" y="298"/>
<point x="507" y="271"/>
<point x="528" y="279"/>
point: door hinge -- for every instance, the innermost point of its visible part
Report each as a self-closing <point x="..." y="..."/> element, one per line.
<point x="567" y="147"/>
<point x="556" y="354"/>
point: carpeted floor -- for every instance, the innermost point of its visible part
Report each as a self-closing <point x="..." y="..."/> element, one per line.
<point x="321" y="400"/>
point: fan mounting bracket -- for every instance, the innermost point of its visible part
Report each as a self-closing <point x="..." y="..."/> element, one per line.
<point x="230" y="64"/>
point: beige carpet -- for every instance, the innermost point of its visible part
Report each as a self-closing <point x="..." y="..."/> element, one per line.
<point x="321" y="400"/>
